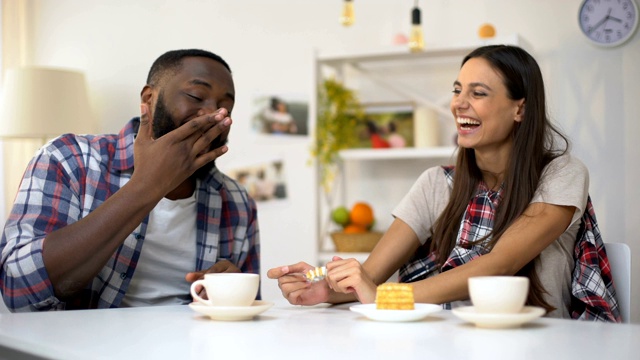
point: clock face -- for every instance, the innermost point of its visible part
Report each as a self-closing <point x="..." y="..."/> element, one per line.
<point x="608" y="22"/>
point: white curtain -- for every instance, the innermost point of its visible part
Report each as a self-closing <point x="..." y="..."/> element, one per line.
<point x="16" y="18"/>
<point x="14" y="154"/>
<point x="3" y="213"/>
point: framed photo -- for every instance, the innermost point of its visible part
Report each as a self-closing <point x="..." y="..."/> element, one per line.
<point x="280" y="115"/>
<point x="263" y="181"/>
<point x="386" y="125"/>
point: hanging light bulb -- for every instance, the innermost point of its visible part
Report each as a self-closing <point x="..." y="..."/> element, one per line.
<point x="348" y="16"/>
<point x="416" y="40"/>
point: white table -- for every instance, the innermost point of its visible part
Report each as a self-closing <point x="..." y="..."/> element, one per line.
<point x="293" y="332"/>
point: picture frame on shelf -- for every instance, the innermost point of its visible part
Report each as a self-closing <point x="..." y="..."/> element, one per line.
<point x="386" y="125"/>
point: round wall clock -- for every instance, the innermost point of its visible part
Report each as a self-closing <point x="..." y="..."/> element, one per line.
<point x="608" y="22"/>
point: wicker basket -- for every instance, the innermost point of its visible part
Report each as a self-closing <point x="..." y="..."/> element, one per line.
<point x="364" y="242"/>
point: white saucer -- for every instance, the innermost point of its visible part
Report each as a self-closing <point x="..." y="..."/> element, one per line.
<point x="420" y="312"/>
<point x="497" y="321"/>
<point x="231" y="313"/>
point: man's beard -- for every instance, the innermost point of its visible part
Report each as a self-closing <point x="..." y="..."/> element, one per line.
<point x="164" y="123"/>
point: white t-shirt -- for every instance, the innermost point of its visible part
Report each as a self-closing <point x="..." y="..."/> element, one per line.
<point x="565" y="182"/>
<point x="167" y="255"/>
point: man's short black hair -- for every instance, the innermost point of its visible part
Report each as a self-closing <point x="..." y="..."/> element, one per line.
<point x="171" y="61"/>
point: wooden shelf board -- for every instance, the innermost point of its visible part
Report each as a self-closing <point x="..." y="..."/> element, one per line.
<point x="403" y="53"/>
<point x="441" y="152"/>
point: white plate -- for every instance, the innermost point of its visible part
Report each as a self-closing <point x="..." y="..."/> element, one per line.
<point x="420" y="312"/>
<point x="497" y="321"/>
<point x="232" y="313"/>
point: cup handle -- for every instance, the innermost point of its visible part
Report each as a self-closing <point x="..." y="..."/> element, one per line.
<point x="194" y="294"/>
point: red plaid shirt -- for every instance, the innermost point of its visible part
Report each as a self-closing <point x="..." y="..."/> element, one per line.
<point x="593" y="293"/>
<point x="73" y="175"/>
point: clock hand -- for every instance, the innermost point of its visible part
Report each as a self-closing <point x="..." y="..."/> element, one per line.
<point x="594" y="27"/>
<point x="609" y="17"/>
<point x="608" y="31"/>
<point x="604" y="20"/>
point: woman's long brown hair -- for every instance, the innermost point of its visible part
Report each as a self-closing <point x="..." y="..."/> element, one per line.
<point x="534" y="146"/>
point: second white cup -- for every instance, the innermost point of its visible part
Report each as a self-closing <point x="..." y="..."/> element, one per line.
<point x="227" y="289"/>
<point x="498" y="294"/>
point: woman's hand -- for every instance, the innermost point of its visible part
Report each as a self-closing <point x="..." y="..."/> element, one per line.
<point x="295" y="286"/>
<point x="348" y="276"/>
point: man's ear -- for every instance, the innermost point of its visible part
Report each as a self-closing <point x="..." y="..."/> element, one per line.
<point x="146" y="94"/>
<point x="146" y="97"/>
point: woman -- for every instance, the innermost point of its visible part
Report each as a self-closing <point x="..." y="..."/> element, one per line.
<point x="512" y="205"/>
<point x="278" y="119"/>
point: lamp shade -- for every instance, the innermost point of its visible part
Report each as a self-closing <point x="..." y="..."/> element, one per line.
<point x="44" y="102"/>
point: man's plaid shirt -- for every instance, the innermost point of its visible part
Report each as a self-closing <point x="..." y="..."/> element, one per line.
<point x="73" y="175"/>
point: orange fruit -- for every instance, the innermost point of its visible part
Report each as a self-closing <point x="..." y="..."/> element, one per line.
<point x="486" y="31"/>
<point x="354" y="229"/>
<point x="361" y="214"/>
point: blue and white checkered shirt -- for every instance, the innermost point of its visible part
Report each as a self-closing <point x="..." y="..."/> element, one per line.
<point x="74" y="174"/>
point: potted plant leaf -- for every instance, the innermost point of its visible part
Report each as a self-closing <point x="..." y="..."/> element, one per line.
<point x="338" y="114"/>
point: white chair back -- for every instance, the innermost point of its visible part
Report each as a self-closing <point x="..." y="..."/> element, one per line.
<point x="619" y="256"/>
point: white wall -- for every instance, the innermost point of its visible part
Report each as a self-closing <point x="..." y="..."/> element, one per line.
<point x="593" y="92"/>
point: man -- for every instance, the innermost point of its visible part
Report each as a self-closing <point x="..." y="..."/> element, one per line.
<point x="89" y="229"/>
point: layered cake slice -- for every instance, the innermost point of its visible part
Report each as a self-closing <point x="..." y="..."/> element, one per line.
<point x="394" y="296"/>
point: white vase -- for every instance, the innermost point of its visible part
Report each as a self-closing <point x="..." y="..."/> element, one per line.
<point x="426" y="127"/>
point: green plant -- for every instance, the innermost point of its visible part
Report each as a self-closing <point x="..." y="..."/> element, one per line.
<point x="338" y="114"/>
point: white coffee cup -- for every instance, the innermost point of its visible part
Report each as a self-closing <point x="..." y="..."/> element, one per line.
<point x="227" y="289"/>
<point x="498" y="294"/>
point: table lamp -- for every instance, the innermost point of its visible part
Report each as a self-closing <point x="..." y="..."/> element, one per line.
<point x="40" y="103"/>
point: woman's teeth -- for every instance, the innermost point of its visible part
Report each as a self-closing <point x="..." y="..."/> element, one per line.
<point x="467" y="123"/>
